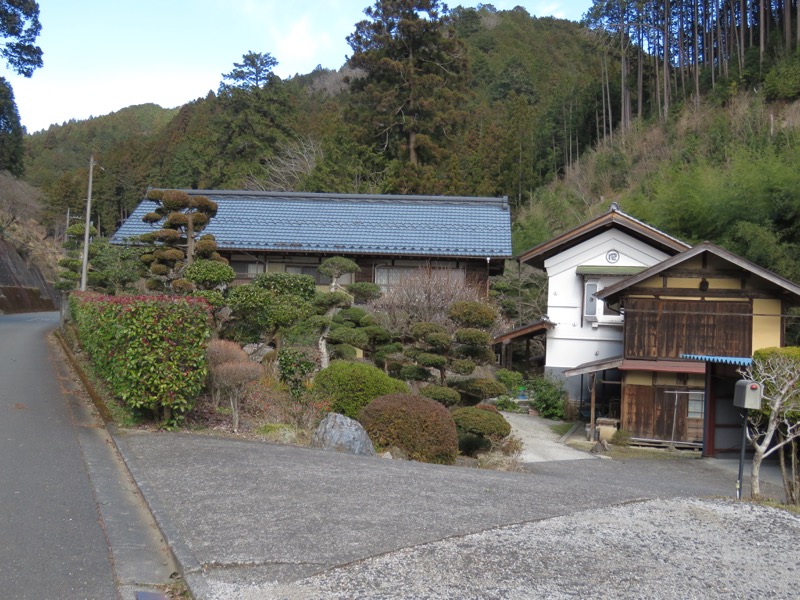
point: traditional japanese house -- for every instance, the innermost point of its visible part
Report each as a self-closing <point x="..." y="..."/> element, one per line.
<point x="388" y="236"/>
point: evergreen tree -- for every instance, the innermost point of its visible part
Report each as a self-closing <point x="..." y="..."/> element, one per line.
<point x="11" y="147"/>
<point x="415" y="74"/>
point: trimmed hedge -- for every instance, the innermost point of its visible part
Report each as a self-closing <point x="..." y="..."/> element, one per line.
<point x="351" y="386"/>
<point x="150" y="349"/>
<point x="478" y="427"/>
<point x="421" y="427"/>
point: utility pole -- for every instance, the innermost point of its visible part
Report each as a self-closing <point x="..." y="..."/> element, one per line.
<point x="85" y="265"/>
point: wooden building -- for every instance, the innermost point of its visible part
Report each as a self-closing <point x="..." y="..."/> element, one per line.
<point x="689" y="322"/>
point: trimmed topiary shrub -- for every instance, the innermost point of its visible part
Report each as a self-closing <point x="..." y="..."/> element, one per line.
<point x="414" y="373"/>
<point x="478" y="427"/>
<point x="291" y="284"/>
<point x="442" y="394"/>
<point x="363" y="291"/>
<point x="472" y="314"/>
<point x="419" y="426"/>
<point x="350" y="386"/>
<point x="480" y="389"/>
<point x="462" y="366"/>
<point x="209" y="274"/>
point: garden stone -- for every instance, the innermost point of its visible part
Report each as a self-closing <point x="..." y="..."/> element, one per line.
<point x="342" y="434"/>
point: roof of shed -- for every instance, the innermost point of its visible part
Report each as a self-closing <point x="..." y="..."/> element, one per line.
<point x="614" y="218"/>
<point x="431" y="226"/>
<point x="790" y="290"/>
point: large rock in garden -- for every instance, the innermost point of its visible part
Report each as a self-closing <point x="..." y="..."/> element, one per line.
<point x="342" y="434"/>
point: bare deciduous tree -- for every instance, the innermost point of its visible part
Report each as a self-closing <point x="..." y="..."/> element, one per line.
<point x="285" y="171"/>
<point x="425" y="296"/>
<point x="777" y="425"/>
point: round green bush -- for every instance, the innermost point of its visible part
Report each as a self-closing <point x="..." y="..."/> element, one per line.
<point x="472" y="314"/>
<point x="348" y="335"/>
<point x="350" y="386"/>
<point x="442" y="394"/>
<point x="480" y="421"/>
<point x="364" y="291"/>
<point x="477" y="427"/>
<point x="209" y="274"/>
<point x="421" y="427"/>
<point x="353" y="314"/>
<point x="436" y="361"/>
<point x="473" y="337"/>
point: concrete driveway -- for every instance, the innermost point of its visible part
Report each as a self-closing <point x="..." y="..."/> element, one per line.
<point x="539" y="442"/>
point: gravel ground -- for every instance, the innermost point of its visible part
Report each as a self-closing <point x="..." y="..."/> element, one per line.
<point x="669" y="549"/>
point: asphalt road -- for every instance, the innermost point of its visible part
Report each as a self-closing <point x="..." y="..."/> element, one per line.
<point x="72" y="524"/>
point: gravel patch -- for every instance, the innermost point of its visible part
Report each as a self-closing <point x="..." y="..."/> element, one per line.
<point x="669" y="549"/>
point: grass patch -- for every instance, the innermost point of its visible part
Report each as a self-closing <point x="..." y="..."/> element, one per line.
<point x="637" y="452"/>
<point x="775" y="504"/>
<point x="561" y="428"/>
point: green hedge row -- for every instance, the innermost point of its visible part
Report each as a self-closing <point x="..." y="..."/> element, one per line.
<point x="150" y="349"/>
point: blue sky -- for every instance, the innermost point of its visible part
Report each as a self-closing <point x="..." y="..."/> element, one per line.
<point x="103" y="55"/>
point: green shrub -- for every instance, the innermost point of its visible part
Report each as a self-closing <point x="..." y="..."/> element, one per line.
<point x="353" y="314"/>
<point x="547" y="395"/>
<point x="478" y="428"/>
<point x="363" y="291"/>
<point x="435" y="361"/>
<point x="421" y="427"/>
<point x="513" y="380"/>
<point x="209" y="274"/>
<point x="150" y="349"/>
<point x="480" y="388"/>
<point x="506" y="404"/>
<point x="414" y="373"/>
<point x="462" y="366"/>
<point x="291" y="284"/>
<point x="442" y="394"/>
<point x="472" y="314"/>
<point x="343" y="352"/>
<point x="348" y="335"/>
<point x="782" y="82"/>
<point x="213" y="297"/>
<point x="473" y="337"/>
<point x="326" y="300"/>
<point x="294" y="368"/>
<point x="350" y="386"/>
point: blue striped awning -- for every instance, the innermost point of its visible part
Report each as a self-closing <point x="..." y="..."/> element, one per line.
<point x="739" y="361"/>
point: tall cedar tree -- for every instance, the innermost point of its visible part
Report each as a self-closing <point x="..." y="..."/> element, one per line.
<point x="19" y="28"/>
<point x="415" y="75"/>
<point x="11" y="147"/>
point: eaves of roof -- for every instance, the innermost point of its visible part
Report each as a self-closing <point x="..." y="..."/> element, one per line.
<point x="613" y="219"/>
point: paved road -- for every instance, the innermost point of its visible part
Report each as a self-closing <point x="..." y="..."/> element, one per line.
<point x="243" y="516"/>
<point x="71" y="522"/>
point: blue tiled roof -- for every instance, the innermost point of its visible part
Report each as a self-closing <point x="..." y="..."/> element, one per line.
<point x="350" y="224"/>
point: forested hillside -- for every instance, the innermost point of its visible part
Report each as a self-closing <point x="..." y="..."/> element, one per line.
<point x="682" y="112"/>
